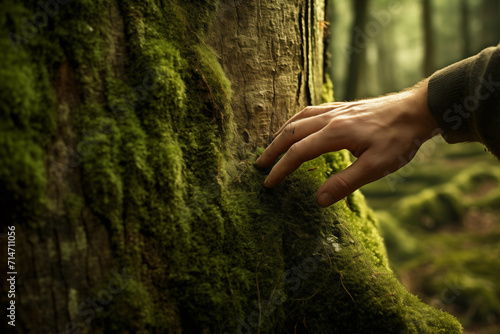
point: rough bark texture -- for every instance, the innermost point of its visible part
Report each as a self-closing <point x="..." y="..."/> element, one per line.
<point x="127" y="173"/>
<point x="272" y="52"/>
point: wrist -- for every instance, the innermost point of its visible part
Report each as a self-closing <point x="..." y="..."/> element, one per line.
<point x="419" y="112"/>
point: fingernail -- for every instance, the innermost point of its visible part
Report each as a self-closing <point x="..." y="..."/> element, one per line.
<point x="325" y="199"/>
<point x="257" y="162"/>
<point x="266" y="181"/>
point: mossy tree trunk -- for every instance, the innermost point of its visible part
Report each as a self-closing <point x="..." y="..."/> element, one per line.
<point x="128" y="135"/>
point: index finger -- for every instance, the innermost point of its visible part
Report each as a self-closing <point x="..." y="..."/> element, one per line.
<point x="309" y="112"/>
<point x="291" y="134"/>
<point x="300" y="152"/>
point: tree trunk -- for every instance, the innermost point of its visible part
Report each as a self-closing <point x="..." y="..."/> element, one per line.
<point x="129" y="131"/>
<point x="428" y="66"/>
<point x="465" y="29"/>
<point x="275" y="67"/>
<point x="385" y="47"/>
<point x="356" y="54"/>
<point x="490" y="25"/>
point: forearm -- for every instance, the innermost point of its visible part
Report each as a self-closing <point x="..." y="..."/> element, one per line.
<point x="385" y="133"/>
<point x="464" y="99"/>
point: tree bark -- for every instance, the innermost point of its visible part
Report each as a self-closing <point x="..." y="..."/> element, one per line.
<point x="357" y="51"/>
<point x="275" y="67"/>
<point x="428" y="65"/>
<point x="490" y="25"/>
<point x="129" y="132"/>
<point x="385" y="47"/>
<point x="465" y="29"/>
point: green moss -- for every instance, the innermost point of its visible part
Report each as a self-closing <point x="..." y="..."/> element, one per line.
<point x="448" y="203"/>
<point x="327" y="90"/>
<point x="432" y="208"/>
<point x="451" y="259"/>
<point x="27" y="122"/>
<point x="401" y="245"/>
<point x="73" y="205"/>
<point x="458" y="274"/>
<point x="312" y="250"/>
<point x="134" y="303"/>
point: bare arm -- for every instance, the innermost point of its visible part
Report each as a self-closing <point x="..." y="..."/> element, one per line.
<point x="376" y="131"/>
<point x="464" y="101"/>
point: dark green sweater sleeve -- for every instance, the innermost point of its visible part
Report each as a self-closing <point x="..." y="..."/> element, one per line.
<point x="464" y="98"/>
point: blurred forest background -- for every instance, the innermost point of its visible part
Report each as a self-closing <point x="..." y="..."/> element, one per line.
<point x="440" y="215"/>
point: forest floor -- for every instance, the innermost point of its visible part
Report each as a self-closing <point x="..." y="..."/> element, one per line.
<point x="441" y="224"/>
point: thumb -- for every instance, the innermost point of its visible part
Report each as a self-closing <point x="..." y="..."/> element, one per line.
<point x="347" y="181"/>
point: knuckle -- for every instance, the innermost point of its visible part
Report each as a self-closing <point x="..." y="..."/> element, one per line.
<point x="343" y="186"/>
<point x="295" y="149"/>
<point x="377" y="171"/>
<point x="306" y="111"/>
<point x="327" y="118"/>
<point x="289" y="129"/>
<point x="340" y="122"/>
<point x="390" y="166"/>
<point x="379" y="166"/>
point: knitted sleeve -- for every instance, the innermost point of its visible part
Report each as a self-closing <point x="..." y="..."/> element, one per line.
<point x="464" y="98"/>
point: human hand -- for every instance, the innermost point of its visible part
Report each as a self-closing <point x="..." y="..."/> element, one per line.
<point x="377" y="131"/>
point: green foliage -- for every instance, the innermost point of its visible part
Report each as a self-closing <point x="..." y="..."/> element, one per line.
<point x="327" y="90"/>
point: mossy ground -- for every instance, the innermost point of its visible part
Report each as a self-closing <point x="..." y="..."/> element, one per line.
<point x="442" y="235"/>
<point x="162" y="167"/>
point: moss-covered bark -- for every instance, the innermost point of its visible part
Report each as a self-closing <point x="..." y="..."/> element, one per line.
<point x="127" y="172"/>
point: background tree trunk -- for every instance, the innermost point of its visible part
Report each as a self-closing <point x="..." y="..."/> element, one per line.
<point x="465" y="29"/>
<point x="387" y="79"/>
<point x="490" y="27"/>
<point x="127" y="146"/>
<point x="359" y="41"/>
<point x="429" y="65"/>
